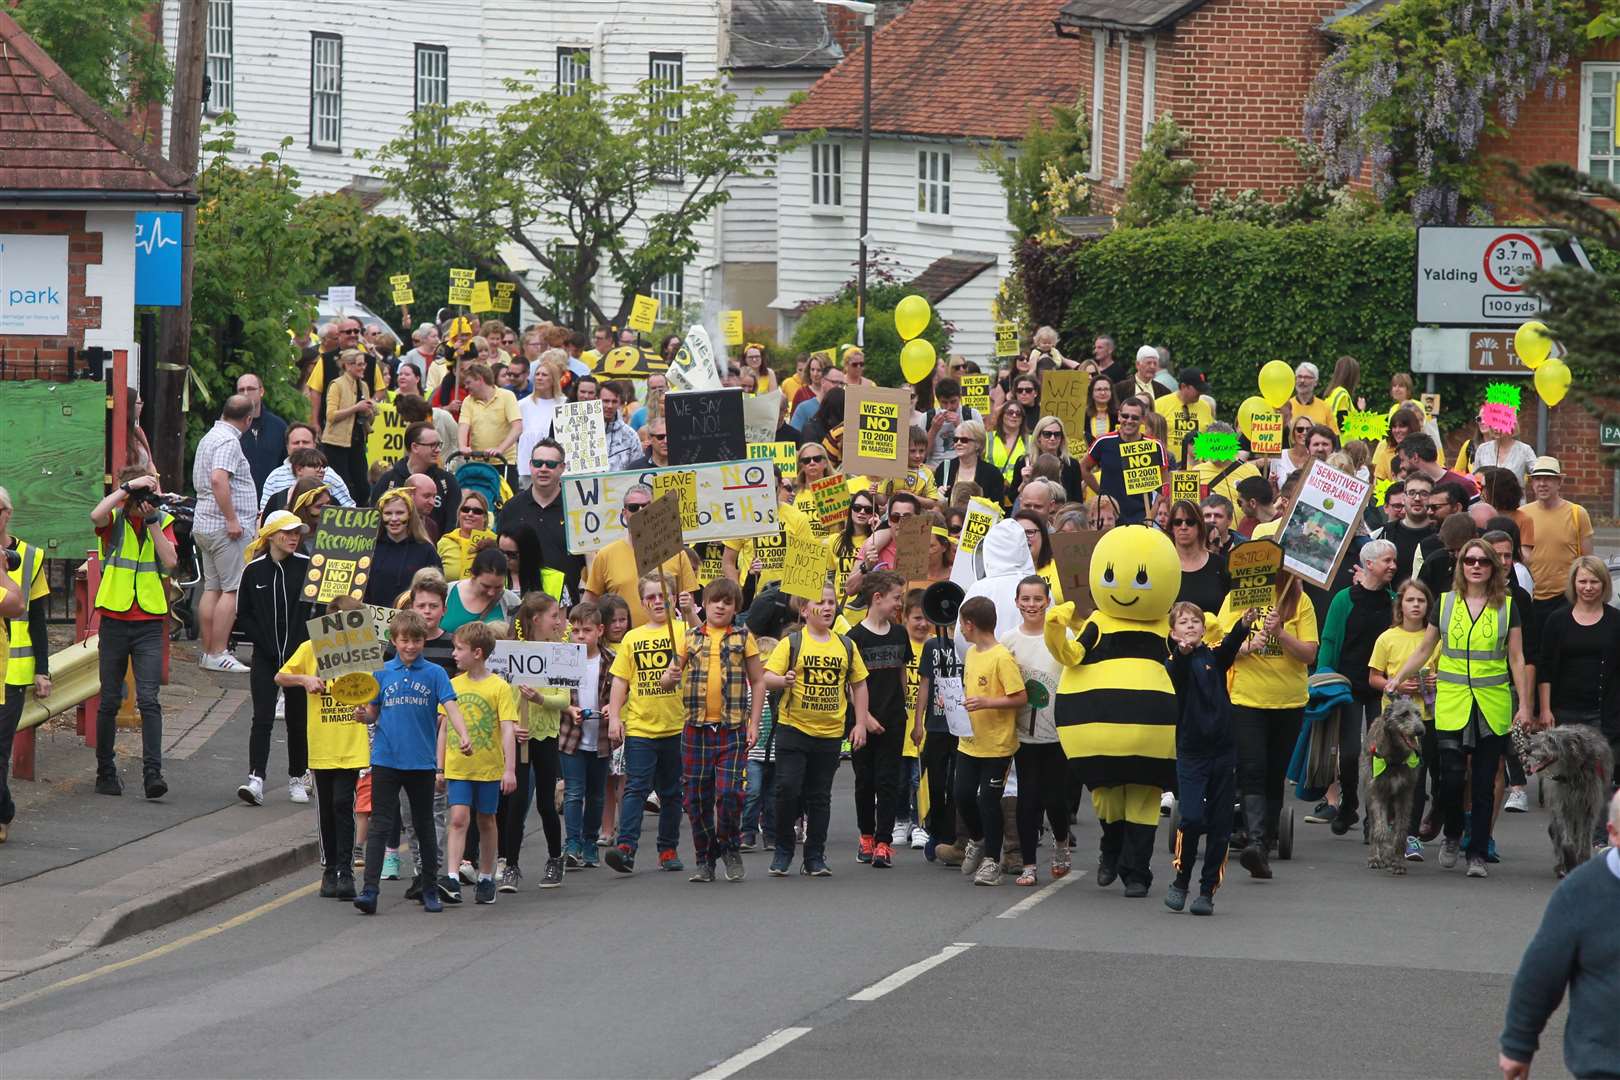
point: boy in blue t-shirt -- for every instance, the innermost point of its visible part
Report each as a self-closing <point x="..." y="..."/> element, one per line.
<point x="404" y="752"/>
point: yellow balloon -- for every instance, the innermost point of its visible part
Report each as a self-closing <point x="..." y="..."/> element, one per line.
<point x="1276" y="383"/>
<point x="1533" y="344"/>
<point x="917" y="358"/>
<point x="1552" y="381"/>
<point x="1246" y="411"/>
<point x="911" y="316"/>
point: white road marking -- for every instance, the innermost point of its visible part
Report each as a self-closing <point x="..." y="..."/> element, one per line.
<point x="1030" y="901"/>
<point x="909" y="972"/>
<point x="767" y="1046"/>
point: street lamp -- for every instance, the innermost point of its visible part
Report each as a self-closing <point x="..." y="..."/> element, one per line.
<point x="868" y="13"/>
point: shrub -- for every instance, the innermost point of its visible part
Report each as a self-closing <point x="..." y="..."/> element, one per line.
<point x="827" y="326"/>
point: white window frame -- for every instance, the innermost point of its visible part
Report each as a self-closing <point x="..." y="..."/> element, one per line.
<point x="669" y="290"/>
<point x="221" y="57"/>
<point x="570" y="72"/>
<point x="1124" y="101"/>
<point x="434" y="73"/>
<point x="325" y="128"/>
<point x="1150" y="75"/>
<point x="934" y="185"/>
<point x="667" y="69"/>
<point x="1099" y="64"/>
<point x="827" y="178"/>
<point x="1584" y="158"/>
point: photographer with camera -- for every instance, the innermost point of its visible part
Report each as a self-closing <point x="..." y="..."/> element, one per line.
<point x="28" y="663"/>
<point x="136" y="534"/>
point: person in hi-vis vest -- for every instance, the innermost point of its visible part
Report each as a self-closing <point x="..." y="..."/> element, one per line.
<point x="24" y="564"/>
<point x="136" y="537"/>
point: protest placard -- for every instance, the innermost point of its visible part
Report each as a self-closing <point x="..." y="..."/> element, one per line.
<point x="734" y="499"/>
<point x="913" y="536"/>
<point x="1063" y="395"/>
<point x="1431" y="405"/>
<point x="381" y="617"/>
<point x="949" y="690"/>
<point x="655" y="533"/>
<point x="1321" y="522"/>
<point x="684" y="484"/>
<point x="1266" y="432"/>
<point x="344" y="642"/>
<point x="480" y="300"/>
<point x="981" y="514"/>
<point x="630" y="362"/>
<point x="705" y="426"/>
<point x="694" y="367"/>
<point x="643" y="314"/>
<point x="538" y="663"/>
<point x="1072" y="553"/>
<point x="731" y="325"/>
<point x="877" y="426"/>
<point x="1253" y="568"/>
<point x="579" y="429"/>
<point x="828" y="357"/>
<point x="804" y="566"/>
<point x="340" y="562"/>
<point x="401" y="285"/>
<point x="385" y="441"/>
<point x="832" y="498"/>
<point x="341" y="296"/>
<point x="1141" y="461"/>
<point x="1006" y="340"/>
<point x="502" y="299"/>
<point x="1216" y="446"/>
<point x="976" y="393"/>
<point x="785" y="455"/>
<point x="461" y="286"/>
<point x="1184" y="485"/>
<point x="760" y="413"/>
<point x="711" y="561"/>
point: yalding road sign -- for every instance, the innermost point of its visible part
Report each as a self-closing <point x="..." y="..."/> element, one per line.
<point x="1472" y="276"/>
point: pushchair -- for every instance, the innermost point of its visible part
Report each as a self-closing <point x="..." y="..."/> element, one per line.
<point x="483" y="473"/>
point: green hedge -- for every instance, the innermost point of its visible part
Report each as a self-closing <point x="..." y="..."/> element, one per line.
<point x="827" y="326"/>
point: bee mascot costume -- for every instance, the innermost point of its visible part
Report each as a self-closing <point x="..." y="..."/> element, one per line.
<point x="1116" y="707"/>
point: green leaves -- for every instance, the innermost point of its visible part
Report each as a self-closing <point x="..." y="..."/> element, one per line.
<point x="104" y="46"/>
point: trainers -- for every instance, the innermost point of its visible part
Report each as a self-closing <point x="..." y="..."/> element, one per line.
<point x="1517" y="802"/>
<point x="1175" y="897"/>
<point x="988" y="873"/>
<point x="1448" y="853"/>
<point x="413" y="891"/>
<point x="511" y="878"/>
<point x="252" y="792"/>
<point x="704" y="874"/>
<point x="366" y="902"/>
<point x="1414" y="849"/>
<point x="390" y="868"/>
<point x="972" y="853"/>
<point x="882" y="856"/>
<point x="329" y="883"/>
<point x="1203" y="904"/>
<point x="1106" y="875"/>
<point x="1476" y="866"/>
<point x="485" y="891"/>
<point x="281" y="705"/>
<point x="1322" y="813"/>
<point x="749" y="842"/>
<point x="1429" y="828"/>
<point x="734" y="866"/>
<point x="573" y="860"/>
<point x="449" y="888"/>
<point x="345" y="885"/>
<point x="431" y="902"/>
<point x="223" y="662"/>
<point x="1135" y="890"/>
<point x="360" y="853"/>
<point x="780" y="864"/>
<point x="620" y="858"/>
<point x="902" y="834"/>
<point x="815" y="867"/>
<point x="1255" y="862"/>
<point x="1167" y="802"/>
<point x="1490" y="851"/>
<point x="864" y="852"/>
<point x="109" y="785"/>
<point x="465" y="871"/>
<point x="653" y="805"/>
<point x="1062" y="860"/>
<point x="156" y="786"/>
<point x="919" y="839"/>
<point x="296" y="791"/>
<point x="1343" y="820"/>
<point x="948" y="854"/>
<point x="669" y="860"/>
<point x="551" y="877"/>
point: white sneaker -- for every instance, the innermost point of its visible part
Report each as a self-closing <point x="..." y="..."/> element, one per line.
<point x="229" y="664"/>
<point x="1166" y="801"/>
<point x="1517" y="802"/>
<point x="281" y="705"/>
<point x="469" y="873"/>
<point x="252" y="792"/>
<point x="902" y="833"/>
<point x="919" y="838"/>
<point x="296" y="791"/>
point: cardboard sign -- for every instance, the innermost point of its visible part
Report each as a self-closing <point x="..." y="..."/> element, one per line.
<point x="735" y="499"/>
<point x="1431" y="405"/>
<point x="877" y="427"/>
<point x="1321" y="522"/>
<point x="480" y="300"/>
<point x="341" y="561"/>
<point x="759" y="416"/>
<point x="581" y="431"/>
<point x="341" y="296"/>
<point x="731" y="325"/>
<point x="695" y="367"/>
<point x="539" y="663"/>
<point x="912" y="538"/>
<point x="1072" y="553"/>
<point x="643" y="314"/>
<point x="1141" y="462"/>
<point x="385" y="441"/>
<point x="785" y="456"/>
<point x="1063" y="395"/>
<point x="345" y="642"/>
<point x="401" y="284"/>
<point x="1183" y="485"/>
<point x="832" y="498"/>
<point x="976" y="393"/>
<point x="705" y="426"/>
<point x="804" y="566"/>
<point x="1006" y="339"/>
<point x="981" y="514"/>
<point x="1266" y="432"/>
<point x="1253" y="568"/>
<point x="502" y="300"/>
<point x="461" y="286"/>
<point x="655" y="533"/>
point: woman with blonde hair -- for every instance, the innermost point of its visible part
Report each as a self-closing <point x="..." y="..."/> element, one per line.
<point x="1049" y="437"/>
<point x="457" y="546"/>
<point x="1341" y="394"/>
<point x="538" y="408"/>
<point x="402" y="548"/>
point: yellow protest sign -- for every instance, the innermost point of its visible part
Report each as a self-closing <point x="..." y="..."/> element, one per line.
<point x="976" y="393"/>
<point x="880" y="420"/>
<point x="480" y="301"/>
<point x="1006" y="339"/>
<point x="1063" y="395"/>
<point x="784" y="455"/>
<point x="402" y="289"/>
<point x="712" y="566"/>
<point x="1253" y="568"/>
<point x="385" y="441"/>
<point x="686" y="484"/>
<point x="1184" y="485"/>
<point x="643" y="314"/>
<point x="804" y="566"/>
<point x="982" y="513"/>
<point x="502" y="300"/>
<point x="461" y="286"/>
<point x="1266" y="432"/>
<point x="731" y="324"/>
<point x="1141" y="462"/>
<point x="832" y="496"/>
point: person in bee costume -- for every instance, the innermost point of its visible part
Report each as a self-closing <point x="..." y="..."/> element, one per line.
<point x="1116" y="707"/>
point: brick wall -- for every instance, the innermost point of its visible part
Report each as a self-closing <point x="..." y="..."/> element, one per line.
<point x="84" y="313"/>
<point x="1572" y="438"/>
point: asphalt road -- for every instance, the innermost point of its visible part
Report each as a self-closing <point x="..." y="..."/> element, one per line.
<point x="1328" y="970"/>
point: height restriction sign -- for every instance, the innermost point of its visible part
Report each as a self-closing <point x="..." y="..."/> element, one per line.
<point x="1475" y="276"/>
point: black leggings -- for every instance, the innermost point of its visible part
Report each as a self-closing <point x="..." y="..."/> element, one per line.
<point x="262" y="680"/>
<point x="543" y="769"/>
<point x="979" y="784"/>
<point x="1457" y="767"/>
<point x="334" y="803"/>
<point x="386" y="784"/>
<point x="937" y="760"/>
<point x="1265" y="741"/>
<point x="877" y="779"/>
<point x="1043" y="784"/>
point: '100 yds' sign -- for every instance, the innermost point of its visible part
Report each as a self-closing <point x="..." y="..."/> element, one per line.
<point x="731" y="500"/>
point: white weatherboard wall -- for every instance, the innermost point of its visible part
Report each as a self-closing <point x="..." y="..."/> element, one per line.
<point x="820" y="245"/>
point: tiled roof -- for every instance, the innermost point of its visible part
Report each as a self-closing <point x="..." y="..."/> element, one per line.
<point x="952" y="69"/>
<point x="780" y="34"/>
<point x="53" y="138"/>
<point x="1139" y="16"/>
<point x="1364" y="8"/>
<point x="947" y="274"/>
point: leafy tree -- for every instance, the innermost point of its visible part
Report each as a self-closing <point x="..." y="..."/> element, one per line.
<point x="832" y="325"/>
<point x="104" y="46"/>
<point x="1160" y="188"/>
<point x="1044" y="176"/>
<point x="581" y="181"/>
<point x="350" y="246"/>
<point x="1606" y="23"/>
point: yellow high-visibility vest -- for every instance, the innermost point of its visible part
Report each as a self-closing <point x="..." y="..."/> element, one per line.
<point x="1473" y="666"/>
<point x="20" y="667"/>
<point x="130" y="573"/>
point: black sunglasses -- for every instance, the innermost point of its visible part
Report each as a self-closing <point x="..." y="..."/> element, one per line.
<point x="545" y="463"/>
<point x="473" y="508"/>
<point x="634" y="508"/>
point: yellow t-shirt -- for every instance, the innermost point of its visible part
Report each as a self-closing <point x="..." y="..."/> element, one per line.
<point x="1182" y="419"/>
<point x="918" y="481"/>
<point x="613" y="570"/>
<point x="1207" y="472"/>
<point x="1054" y="582"/>
<point x="1393" y="648"/>
<point x="805" y="504"/>
<point x="456" y="551"/>
<point x="1558" y="537"/>
<point x="815" y="703"/>
<point x="991" y="672"/>
<point x="771" y="551"/>
<point x="650" y="711"/>
<point x="336" y="739"/>
<point x="487" y="706"/>
<point x="1317" y="410"/>
<point x="1269" y="528"/>
<point x="791" y="385"/>
<point x="490" y="420"/>
<point x="714" y="698"/>
<point x="907" y="747"/>
<point x="1269" y="678"/>
<point x="1383" y="462"/>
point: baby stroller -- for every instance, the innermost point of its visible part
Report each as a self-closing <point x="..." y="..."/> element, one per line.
<point x="484" y="473"/>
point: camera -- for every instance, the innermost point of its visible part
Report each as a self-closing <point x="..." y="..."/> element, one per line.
<point x="13" y="560"/>
<point x="148" y="503"/>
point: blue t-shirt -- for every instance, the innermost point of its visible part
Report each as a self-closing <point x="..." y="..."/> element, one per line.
<point x="804" y="412"/>
<point x="408" y="725"/>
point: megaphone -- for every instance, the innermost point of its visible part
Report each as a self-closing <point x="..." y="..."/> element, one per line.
<point x="941" y="601"/>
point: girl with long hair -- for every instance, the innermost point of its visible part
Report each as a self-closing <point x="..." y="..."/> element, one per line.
<point x="1102" y="410"/>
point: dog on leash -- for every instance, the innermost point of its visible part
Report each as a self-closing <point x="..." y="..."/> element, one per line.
<point x="1582" y="765"/>
<point x="1391" y="771"/>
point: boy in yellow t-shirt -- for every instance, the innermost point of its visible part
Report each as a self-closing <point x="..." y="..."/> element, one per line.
<point x="992" y="692"/>
<point x="647" y="717"/>
<point x="818" y="672"/>
<point x="474" y="783"/>
<point x="919" y="478"/>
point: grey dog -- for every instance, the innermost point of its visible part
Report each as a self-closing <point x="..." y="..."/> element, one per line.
<point x="1392" y="745"/>
<point x="1582" y="765"/>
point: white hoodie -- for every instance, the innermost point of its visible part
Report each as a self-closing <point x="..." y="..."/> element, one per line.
<point x="1002" y="561"/>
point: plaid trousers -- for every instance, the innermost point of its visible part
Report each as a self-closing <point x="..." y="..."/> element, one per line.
<point x="714" y="760"/>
